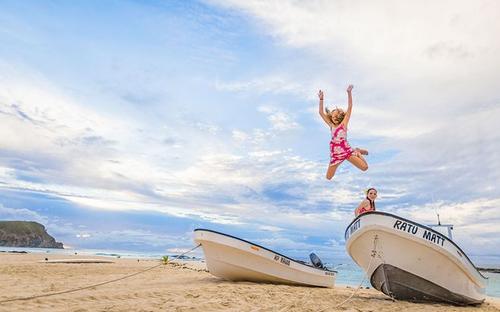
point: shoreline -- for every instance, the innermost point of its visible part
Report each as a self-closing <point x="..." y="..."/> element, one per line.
<point x="179" y="286"/>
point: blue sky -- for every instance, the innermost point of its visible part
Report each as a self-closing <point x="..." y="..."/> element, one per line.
<point x="127" y="124"/>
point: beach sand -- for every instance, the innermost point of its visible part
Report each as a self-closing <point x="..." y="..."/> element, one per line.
<point x="181" y="287"/>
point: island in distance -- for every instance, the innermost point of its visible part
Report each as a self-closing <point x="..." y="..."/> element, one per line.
<point x="26" y="234"/>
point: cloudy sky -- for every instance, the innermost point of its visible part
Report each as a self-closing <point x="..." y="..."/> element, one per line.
<point x="127" y="124"/>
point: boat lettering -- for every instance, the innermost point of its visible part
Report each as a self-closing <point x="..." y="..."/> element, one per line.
<point x="285" y="261"/>
<point x="405" y="227"/>
<point x="276" y="257"/>
<point x="413" y="229"/>
<point x="329" y="273"/>
<point x="433" y="237"/>
<point x="353" y="228"/>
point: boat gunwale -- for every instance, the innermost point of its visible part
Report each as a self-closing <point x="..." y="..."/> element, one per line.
<point x="417" y="224"/>
<point x="257" y="245"/>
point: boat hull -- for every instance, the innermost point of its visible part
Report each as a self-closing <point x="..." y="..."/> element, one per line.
<point x="403" y="285"/>
<point x="234" y="259"/>
<point x="410" y="261"/>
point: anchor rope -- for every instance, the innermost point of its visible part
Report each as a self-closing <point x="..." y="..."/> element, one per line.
<point x="98" y="284"/>
<point x="372" y="256"/>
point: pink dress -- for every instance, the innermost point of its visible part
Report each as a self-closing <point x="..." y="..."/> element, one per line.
<point x="340" y="149"/>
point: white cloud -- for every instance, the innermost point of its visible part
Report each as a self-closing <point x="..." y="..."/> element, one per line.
<point x="285" y="243"/>
<point x="208" y="127"/>
<point x="280" y="120"/>
<point x="271" y="84"/>
<point x="6" y="173"/>
<point x="372" y="33"/>
<point x="239" y="135"/>
<point x="270" y="228"/>
<point x="134" y="237"/>
<point x="20" y="214"/>
<point x="83" y="235"/>
<point x="412" y="64"/>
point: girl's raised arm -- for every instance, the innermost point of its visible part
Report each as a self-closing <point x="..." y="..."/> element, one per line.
<point x="349" y="106"/>
<point x="322" y="110"/>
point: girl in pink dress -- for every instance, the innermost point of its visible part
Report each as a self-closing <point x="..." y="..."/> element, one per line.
<point x="340" y="149"/>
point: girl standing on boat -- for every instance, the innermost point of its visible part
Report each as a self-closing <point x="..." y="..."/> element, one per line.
<point x="340" y="149"/>
<point x="367" y="204"/>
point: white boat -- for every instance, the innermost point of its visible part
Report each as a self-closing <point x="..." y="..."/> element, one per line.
<point x="235" y="259"/>
<point x="410" y="261"/>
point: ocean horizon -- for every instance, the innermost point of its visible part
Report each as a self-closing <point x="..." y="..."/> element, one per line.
<point x="349" y="274"/>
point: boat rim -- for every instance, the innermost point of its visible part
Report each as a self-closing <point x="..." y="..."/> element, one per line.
<point x="417" y="224"/>
<point x="257" y="245"/>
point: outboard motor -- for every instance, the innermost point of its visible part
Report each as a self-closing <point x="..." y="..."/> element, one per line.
<point x="316" y="261"/>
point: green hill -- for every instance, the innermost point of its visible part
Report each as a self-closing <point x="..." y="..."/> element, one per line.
<point x="26" y="234"/>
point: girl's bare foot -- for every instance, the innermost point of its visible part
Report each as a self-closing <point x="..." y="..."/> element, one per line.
<point x="361" y="151"/>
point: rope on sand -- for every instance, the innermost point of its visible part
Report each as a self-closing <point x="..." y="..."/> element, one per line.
<point x="373" y="254"/>
<point x="95" y="285"/>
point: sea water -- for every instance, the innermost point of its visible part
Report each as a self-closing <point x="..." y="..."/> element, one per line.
<point x="88" y="252"/>
<point x="348" y="272"/>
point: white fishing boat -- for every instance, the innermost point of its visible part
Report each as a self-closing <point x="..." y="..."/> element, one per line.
<point x="236" y="259"/>
<point x="410" y="261"/>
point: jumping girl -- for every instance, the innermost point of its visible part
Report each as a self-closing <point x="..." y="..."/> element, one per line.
<point x="367" y="204"/>
<point x="340" y="149"/>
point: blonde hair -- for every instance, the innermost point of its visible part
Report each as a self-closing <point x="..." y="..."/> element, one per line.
<point x="338" y="119"/>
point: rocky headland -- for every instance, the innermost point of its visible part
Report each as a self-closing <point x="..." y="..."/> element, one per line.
<point x="26" y="234"/>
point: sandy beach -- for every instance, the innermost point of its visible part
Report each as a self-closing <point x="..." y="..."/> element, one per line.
<point x="173" y="287"/>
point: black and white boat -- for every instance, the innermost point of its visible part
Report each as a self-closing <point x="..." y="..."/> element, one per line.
<point x="410" y="261"/>
<point x="236" y="259"/>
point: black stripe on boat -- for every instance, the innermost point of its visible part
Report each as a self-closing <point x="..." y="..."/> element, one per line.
<point x="402" y="285"/>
